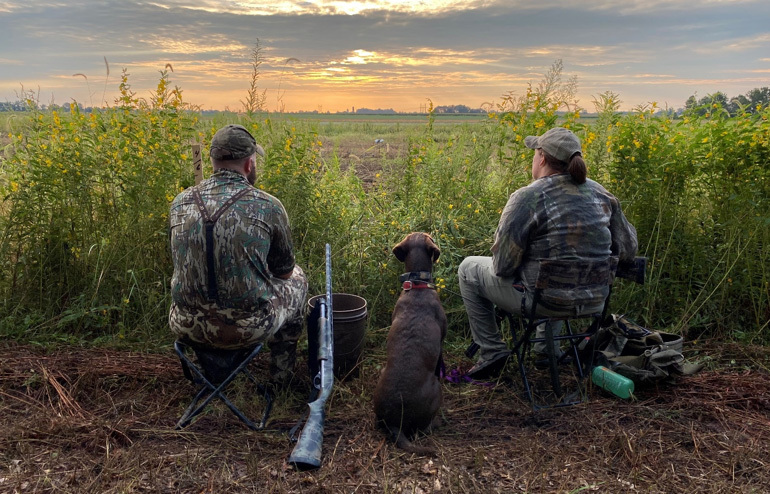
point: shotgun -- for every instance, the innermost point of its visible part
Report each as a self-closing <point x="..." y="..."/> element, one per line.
<point x="307" y="452"/>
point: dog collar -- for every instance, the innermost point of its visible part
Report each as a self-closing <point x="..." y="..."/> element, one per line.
<point x="424" y="276"/>
<point x="417" y="285"/>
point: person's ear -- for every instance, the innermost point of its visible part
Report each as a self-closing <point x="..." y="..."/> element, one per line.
<point x="249" y="164"/>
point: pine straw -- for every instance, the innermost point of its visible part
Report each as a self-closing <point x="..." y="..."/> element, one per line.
<point x="85" y="420"/>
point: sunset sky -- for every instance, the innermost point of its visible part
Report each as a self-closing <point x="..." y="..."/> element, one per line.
<point x="335" y="55"/>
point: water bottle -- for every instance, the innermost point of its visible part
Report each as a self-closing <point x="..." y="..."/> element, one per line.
<point x="620" y="386"/>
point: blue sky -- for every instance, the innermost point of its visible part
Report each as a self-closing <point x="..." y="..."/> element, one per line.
<point x="336" y="55"/>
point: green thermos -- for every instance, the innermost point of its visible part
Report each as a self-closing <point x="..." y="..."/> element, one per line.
<point x="620" y="386"/>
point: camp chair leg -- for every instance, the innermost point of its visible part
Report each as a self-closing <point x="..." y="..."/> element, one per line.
<point x="189" y="414"/>
<point x="268" y="406"/>
<point x="266" y="394"/>
<point x="522" y="346"/>
<point x="553" y="363"/>
<point x="521" y="349"/>
<point x="218" y="391"/>
<point x="523" y="372"/>
<point x="580" y="367"/>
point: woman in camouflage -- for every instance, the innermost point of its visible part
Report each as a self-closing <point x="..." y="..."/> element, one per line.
<point x="560" y="215"/>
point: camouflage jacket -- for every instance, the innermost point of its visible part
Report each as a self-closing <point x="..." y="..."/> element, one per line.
<point x="252" y="243"/>
<point x="553" y="218"/>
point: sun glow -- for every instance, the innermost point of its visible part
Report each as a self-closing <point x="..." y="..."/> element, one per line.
<point x="336" y="7"/>
<point x="361" y="57"/>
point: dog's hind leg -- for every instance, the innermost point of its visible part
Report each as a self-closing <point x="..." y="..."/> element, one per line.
<point x="438" y="421"/>
<point x="403" y="442"/>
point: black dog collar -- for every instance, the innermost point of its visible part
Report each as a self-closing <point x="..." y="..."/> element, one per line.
<point x="424" y="276"/>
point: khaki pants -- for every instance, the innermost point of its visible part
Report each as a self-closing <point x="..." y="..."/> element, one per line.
<point x="482" y="291"/>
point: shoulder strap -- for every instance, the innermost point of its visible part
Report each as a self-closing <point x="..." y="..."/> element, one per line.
<point x="209" y="222"/>
<point x="229" y="203"/>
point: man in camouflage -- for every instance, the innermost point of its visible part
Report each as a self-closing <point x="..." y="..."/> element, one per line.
<point x="560" y="215"/>
<point x="235" y="282"/>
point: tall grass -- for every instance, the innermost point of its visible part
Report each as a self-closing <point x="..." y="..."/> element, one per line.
<point x="697" y="189"/>
<point x="84" y="252"/>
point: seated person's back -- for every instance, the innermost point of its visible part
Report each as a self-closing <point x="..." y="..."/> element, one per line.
<point x="235" y="282"/>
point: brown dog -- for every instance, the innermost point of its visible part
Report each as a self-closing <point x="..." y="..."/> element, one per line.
<point x="408" y="394"/>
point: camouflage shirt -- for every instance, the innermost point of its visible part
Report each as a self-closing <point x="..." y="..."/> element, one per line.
<point x="554" y="218"/>
<point x="252" y="242"/>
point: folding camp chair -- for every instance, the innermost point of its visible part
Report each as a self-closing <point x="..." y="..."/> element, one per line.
<point x="214" y="370"/>
<point x="554" y="279"/>
<point x="557" y="281"/>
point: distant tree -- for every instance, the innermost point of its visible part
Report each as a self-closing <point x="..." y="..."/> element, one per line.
<point x="457" y="109"/>
<point x="753" y="100"/>
<point x="13" y="106"/>
<point x="758" y="96"/>
<point x="378" y="111"/>
<point x="738" y="104"/>
<point x="691" y="103"/>
<point x="706" y="104"/>
<point x="718" y="98"/>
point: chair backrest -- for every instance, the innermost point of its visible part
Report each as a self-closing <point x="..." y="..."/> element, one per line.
<point x="563" y="285"/>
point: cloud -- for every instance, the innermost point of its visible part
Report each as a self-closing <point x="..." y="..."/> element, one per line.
<point x="332" y="7"/>
<point x="396" y="49"/>
<point x="732" y="45"/>
<point x="430" y="8"/>
<point x="204" y="44"/>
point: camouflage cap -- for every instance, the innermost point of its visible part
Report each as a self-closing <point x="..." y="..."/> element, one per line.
<point x="234" y="142"/>
<point x="558" y="142"/>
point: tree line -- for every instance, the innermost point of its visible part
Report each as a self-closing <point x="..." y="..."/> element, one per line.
<point x="751" y="102"/>
<point x="33" y="105"/>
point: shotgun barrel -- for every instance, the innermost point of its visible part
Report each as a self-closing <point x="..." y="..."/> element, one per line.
<point x="307" y="452"/>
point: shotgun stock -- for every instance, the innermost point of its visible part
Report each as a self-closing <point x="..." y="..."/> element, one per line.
<point x="307" y="452"/>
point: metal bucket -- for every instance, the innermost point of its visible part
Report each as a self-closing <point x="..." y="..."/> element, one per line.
<point x="349" y="318"/>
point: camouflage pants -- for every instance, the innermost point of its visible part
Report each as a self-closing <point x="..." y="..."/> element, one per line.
<point x="279" y="324"/>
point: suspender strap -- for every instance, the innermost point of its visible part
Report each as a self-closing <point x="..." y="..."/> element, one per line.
<point x="209" y="222"/>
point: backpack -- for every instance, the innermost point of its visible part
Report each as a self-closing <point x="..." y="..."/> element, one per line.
<point x="646" y="357"/>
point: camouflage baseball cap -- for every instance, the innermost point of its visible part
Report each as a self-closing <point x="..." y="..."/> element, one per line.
<point x="559" y="142"/>
<point x="234" y="142"/>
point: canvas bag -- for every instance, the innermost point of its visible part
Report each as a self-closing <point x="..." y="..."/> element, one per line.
<point x="646" y="357"/>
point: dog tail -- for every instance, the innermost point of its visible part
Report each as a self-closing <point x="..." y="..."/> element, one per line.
<point x="404" y="443"/>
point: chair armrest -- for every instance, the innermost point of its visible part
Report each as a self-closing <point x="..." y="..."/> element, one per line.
<point x="632" y="270"/>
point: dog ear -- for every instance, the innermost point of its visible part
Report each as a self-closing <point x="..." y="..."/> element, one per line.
<point x="400" y="251"/>
<point x="433" y="248"/>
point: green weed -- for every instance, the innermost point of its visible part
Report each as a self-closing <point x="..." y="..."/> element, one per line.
<point x="84" y="252"/>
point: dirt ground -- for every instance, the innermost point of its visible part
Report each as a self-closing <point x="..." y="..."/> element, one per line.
<point x="97" y="420"/>
<point x="365" y="155"/>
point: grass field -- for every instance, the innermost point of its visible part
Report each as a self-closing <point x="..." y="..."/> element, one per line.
<point x="381" y="176"/>
<point x="90" y="390"/>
